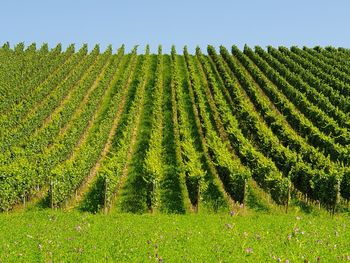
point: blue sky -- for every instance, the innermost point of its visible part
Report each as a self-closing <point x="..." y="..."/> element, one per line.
<point x="192" y="23"/>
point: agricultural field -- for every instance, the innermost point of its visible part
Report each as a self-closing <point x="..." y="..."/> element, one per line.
<point x="174" y="133"/>
<point x="246" y="142"/>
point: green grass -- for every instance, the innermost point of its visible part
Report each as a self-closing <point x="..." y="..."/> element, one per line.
<point x="56" y="236"/>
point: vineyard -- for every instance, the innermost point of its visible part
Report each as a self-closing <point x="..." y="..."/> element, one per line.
<point x="173" y="133"/>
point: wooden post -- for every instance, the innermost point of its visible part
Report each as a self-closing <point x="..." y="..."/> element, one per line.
<point x="153" y="194"/>
<point x="24" y="199"/>
<point x="288" y="198"/>
<point x="245" y="192"/>
<point x="51" y="195"/>
<point x="333" y="210"/>
<point x="105" y="201"/>
<point x="198" y="196"/>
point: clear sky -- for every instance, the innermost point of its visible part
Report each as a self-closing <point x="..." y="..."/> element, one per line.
<point x="191" y="22"/>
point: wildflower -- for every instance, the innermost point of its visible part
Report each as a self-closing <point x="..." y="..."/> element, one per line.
<point x="78" y="228"/>
<point x="249" y="250"/>
<point x="241" y="205"/>
<point x="229" y="226"/>
<point x="289" y="237"/>
<point x="40" y="247"/>
<point x="287" y="261"/>
<point x="279" y="260"/>
<point x="232" y="213"/>
<point x="298" y="218"/>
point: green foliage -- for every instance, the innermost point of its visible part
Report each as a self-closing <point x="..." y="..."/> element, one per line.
<point x="173" y="133"/>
